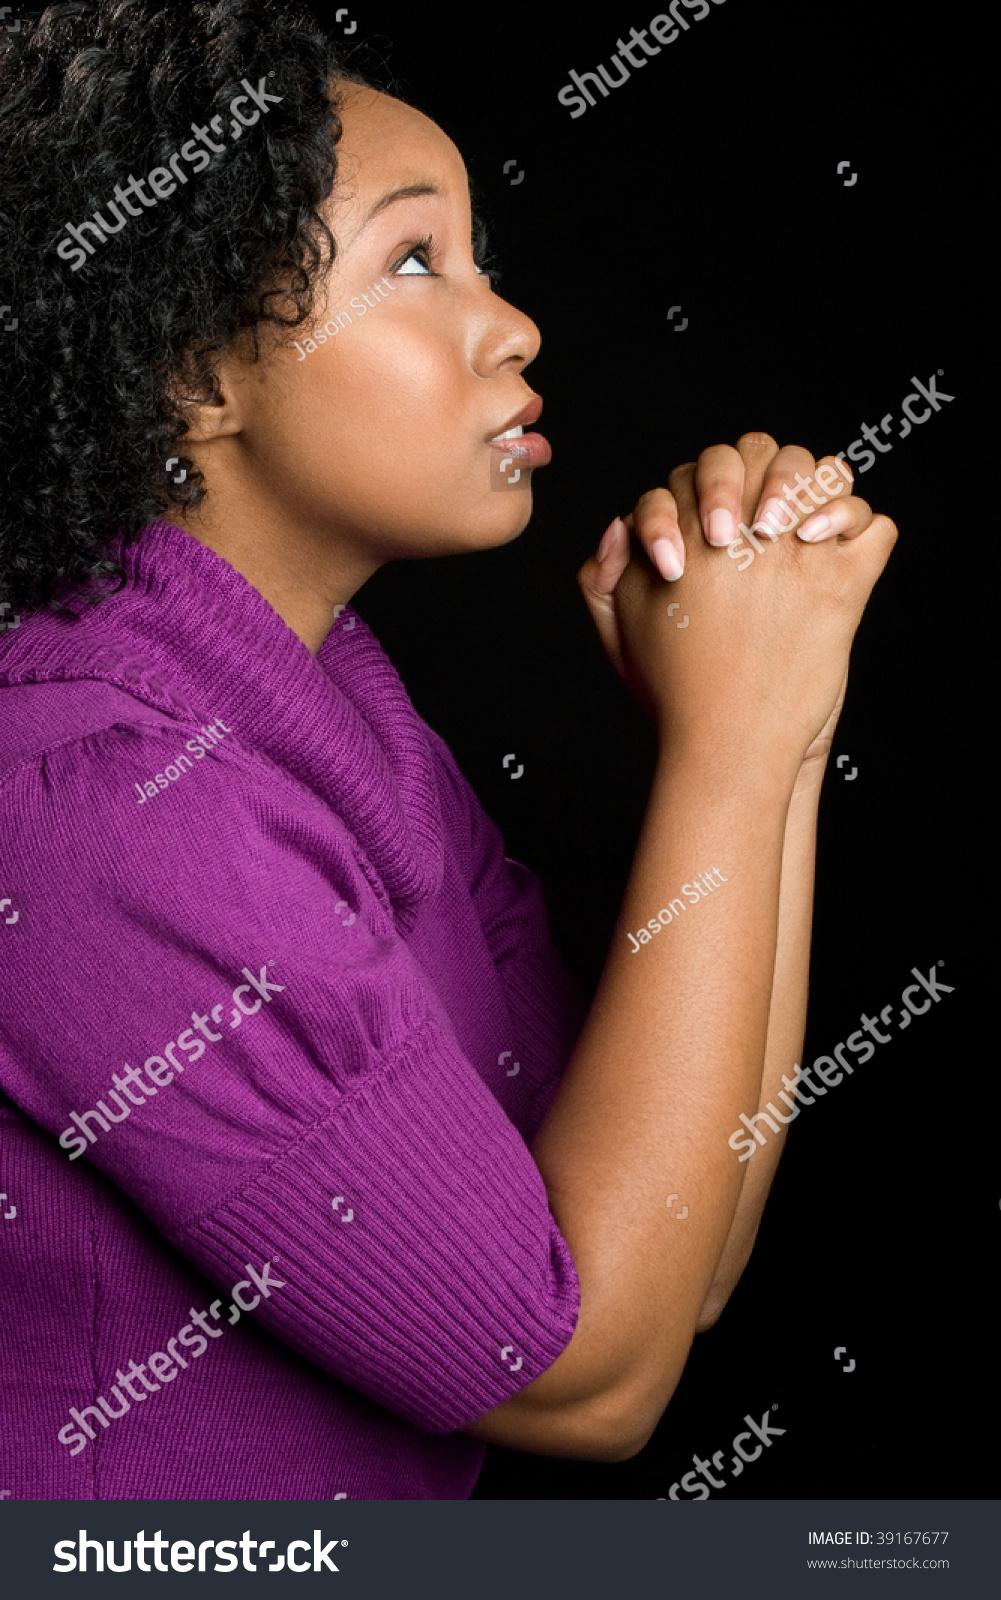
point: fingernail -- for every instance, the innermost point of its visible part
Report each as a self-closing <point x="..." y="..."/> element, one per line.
<point x="815" y="528"/>
<point x="608" y="538"/>
<point x="777" y="517"/>
<point x="665" y="559"/>
<point x="719" y="528"/>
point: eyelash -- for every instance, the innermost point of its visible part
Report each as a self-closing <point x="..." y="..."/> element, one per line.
<point x="429" y="247"/>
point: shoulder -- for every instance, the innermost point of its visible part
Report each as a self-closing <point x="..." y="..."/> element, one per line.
<point x="36" y="718"/>
<point x="83" y="757"/>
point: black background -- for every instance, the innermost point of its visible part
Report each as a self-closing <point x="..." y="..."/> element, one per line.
<point x="709" y="181"/>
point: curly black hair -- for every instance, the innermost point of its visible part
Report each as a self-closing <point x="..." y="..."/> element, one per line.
<point x="110" y="333"/>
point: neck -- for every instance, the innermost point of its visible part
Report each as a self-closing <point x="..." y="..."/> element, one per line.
<point x="305" y="578"/>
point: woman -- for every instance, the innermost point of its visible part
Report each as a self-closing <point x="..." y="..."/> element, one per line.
<point x="325" y="1171"/>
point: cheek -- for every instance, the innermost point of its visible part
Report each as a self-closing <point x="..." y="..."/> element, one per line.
<point x="375" y="413"/>
<point x="411" y="390"/>
<point x="383" y="428"/>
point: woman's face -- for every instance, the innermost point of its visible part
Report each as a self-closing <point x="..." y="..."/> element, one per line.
<point x="374" y="444"/>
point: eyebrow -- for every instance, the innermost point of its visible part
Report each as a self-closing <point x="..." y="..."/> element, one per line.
<point x="410" y="191"/>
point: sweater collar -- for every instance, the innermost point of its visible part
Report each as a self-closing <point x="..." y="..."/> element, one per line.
<point x="189" y="635"/>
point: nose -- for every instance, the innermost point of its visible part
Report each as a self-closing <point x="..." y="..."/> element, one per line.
<point x="506" y="337"/>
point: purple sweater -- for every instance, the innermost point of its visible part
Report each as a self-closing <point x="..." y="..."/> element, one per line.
<point x="278" y="1018"/>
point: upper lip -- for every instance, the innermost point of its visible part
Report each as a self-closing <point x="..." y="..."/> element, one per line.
<point x="526" y="416"/>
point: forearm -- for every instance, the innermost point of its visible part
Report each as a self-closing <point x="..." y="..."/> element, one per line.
<point x="671" y="1052"/>
<point x="674" y="1048"/>
<point x="786" y="1030"/>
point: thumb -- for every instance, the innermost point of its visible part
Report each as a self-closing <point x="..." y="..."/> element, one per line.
<point x="597" y="579"/>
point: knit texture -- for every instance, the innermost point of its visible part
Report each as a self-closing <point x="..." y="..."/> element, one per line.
<point x="279" y="1019"/>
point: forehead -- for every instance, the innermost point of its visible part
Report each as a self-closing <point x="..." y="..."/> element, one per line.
<point x="386" y="144"/>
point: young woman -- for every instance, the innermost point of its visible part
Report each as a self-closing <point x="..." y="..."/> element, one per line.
<point x="324" y="1170"/>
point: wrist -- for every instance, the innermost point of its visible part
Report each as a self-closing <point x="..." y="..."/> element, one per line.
<point x="809" y="779"/>
<point x="723" y="765"/>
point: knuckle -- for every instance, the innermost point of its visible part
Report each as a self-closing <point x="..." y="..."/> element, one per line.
<point x="758" y="442"/>
<point x="828" y="465"/>
<point x="719" y="455"/>
<point x="889" y="527"/>
<point x="653" y="497"/>
<point x="792" y="458"/>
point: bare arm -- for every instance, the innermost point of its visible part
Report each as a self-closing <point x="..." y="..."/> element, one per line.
<point x="674" y="1046"/>
<point x="671" y="1052"/>
<point x="786" y="1029"/>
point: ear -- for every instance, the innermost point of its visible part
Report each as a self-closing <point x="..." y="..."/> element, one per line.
<point x="209" y="403"/>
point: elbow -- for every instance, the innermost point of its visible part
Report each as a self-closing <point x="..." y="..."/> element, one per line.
<point x="626" y="1447"/>
<point x="608" y="1420"/>
<point x="620" y="1440"/>
<point x="711" y="1312"/>
<point x="625" y="1429"/>
<point x="608" y="1428"/>
<point x="720" y="1290"/>
<point x="635" y="1417"/>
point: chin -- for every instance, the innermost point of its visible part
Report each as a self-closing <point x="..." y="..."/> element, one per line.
<point x="488" y="522"/>
<point x="507" y="516"/>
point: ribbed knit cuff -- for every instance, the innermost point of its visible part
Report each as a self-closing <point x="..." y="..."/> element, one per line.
<point x="411" y="1234"/>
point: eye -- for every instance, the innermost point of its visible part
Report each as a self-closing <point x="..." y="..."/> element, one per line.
<point x="420" y="270"/>
<point x="419" y="259"/>
<point x="426" y="248"/>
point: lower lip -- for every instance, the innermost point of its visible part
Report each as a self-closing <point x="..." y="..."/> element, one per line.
<point x="529" y="449"/>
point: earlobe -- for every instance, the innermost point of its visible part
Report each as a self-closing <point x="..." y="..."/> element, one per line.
<point x="212" y="414"/>
<point x="207" y="420"/>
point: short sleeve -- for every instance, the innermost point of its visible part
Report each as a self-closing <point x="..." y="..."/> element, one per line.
<point x="208" y="999"/>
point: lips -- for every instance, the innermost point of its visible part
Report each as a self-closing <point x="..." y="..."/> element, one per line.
<point x="530" y="449"/>
<point x="526" y="416"/>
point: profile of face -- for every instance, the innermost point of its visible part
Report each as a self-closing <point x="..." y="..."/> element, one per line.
<point x="375" y="444"/>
